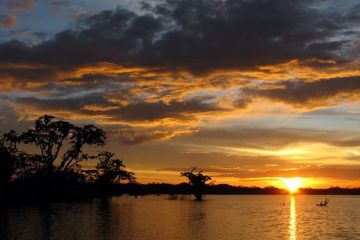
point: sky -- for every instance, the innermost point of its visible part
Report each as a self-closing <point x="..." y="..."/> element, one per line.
<point x="249" y="91"/>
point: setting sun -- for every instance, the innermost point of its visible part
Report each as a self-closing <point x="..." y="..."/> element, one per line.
<point x="293" y="184"/>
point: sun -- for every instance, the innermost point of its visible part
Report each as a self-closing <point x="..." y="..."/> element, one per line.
<point x="293" y="184"/>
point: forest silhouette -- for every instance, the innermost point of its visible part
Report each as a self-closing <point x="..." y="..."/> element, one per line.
<point x="52" y="168"/>
<point x="44" y="163"/>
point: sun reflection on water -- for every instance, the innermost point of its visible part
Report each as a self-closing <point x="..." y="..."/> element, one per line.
<point x="292" y="220"/>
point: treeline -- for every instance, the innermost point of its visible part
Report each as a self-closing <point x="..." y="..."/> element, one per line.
<point x="225" y="189"/>
<point x="185" y="188"/>
<point x="46" y="160"/>
<point x="330" y="191"/>
<point x="220" y="189"/>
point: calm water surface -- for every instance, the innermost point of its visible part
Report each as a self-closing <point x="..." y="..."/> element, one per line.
<point x="218" y="217"/>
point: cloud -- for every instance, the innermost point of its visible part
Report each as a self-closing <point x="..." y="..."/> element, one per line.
<point x="179" y="48"/>
<point x="60" y="2"/>
<point x="7" y="21"/>
<point x="129" y="123"/>
<point x="197" y="36"/>
<point x="180" y="62"/>
<point x="20" y="5"/>
<point x="273" y="138"/>
<point x="97" y="104"/>
<point x="128" y="135"/>
<point x="309" y="94"/>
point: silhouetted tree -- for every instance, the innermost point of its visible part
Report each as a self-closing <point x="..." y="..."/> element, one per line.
<point x="197" y="182"/>
<point x="10" y="141"/>
<point x="8" y="155"/>
<point x="52" y="168"/>
<point x="51" y="136"/>
<point x="6" y="166"/>
<point x="110" y="169"/>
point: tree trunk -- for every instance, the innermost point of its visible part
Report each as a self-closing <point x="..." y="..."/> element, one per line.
<point x="198" y="196"/>
<point x="7" y="162"/>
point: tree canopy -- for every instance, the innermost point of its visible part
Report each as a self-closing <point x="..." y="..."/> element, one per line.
<point x="57" y="152"/>
<point x="197" y="181"/>
<point x="111" y="169"/>
<point x="51" y="136"/>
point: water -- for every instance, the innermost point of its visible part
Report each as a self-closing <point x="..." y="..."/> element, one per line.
<point x="218" y="217"/>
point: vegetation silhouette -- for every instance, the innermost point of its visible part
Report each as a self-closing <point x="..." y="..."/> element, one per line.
<point x="6" y="166"/>
<point x="323" y="204"/>
<point x="52" y="168"/>
<point x="9" y="156"/>
<point x="110" y="171"/>
<point x="197" y="181"/>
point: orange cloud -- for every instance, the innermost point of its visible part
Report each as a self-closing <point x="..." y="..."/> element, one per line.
<point x="7" y="21"/>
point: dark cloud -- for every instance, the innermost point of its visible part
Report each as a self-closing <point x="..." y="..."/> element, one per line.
<point x="242" y="102"/>
<point x="97" y="104"/>
<point x="136" y="138"/>
<point x="198" y="36"/>
<point x="80" y="16"/>
<point x="100" y="107"/>
<point x="45" y="81"/>
<point x="65" y="104"/>
<point x="302" y="93"/>
<point x="161" y="110"/>
<point x="128" y="135"/>
<point x="27" y="74"/>
<point x="13" y="32"/>
<point x="40" y="35"/>
<point x="273" y="138"/>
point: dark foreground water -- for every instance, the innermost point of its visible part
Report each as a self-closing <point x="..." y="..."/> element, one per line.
<point x="218" y="217"/>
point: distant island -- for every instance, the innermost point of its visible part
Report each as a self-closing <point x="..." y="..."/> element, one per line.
<point x="17" y="193"/>
<point x="224" y="189"/>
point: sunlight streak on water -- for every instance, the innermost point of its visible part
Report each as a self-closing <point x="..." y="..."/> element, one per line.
<point x="292" y="220"/>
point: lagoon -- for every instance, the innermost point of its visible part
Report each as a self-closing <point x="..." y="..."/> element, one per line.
<point x="157" y="217"/>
